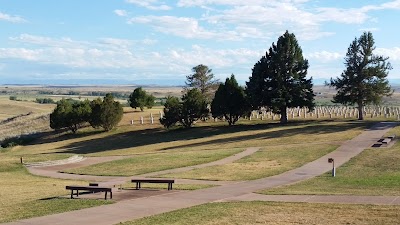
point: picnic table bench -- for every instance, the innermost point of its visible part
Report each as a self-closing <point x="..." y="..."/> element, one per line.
<point x="89" y="188"/>
<point x="154" y="181"/>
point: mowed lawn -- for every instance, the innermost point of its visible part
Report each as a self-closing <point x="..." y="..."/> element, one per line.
<point x="267" y="162"/>
<point x="24" y="195"/>
<point x="132" y="140"/>
<point x="375" y="171"/>
<point x="250" y="213"/>
<point x="142" y="164"/>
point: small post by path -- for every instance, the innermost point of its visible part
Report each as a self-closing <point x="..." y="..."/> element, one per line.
<point x="22" y="162"/>
<point x="331" y="160"/>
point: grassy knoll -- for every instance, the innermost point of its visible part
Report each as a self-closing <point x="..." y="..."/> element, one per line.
<point x="276" y="213"/>
<point x="10" y="108"/>
<point x="24" y="195"/>
<point x="131" y="140"/>
<point x="266" y="162"/>
<point x="375" y="171"/>
<point x="154" y="162"/>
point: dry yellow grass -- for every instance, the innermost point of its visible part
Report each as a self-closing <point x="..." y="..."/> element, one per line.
<point x="129" y="140"/>
<point x="24" y="195"/>
<point x="375" y="171"/>
<point x="276" y="214"/>
<point x="10" y="108"/>
<point x="264" y="163"/>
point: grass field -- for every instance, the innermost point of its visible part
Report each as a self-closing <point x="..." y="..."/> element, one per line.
<point x="264" y="163"/>
<point x="154" y="162"/>
<point x="283" y="147"/>
<point x="375" y="171"/>
<point x="276" y="214"/>
<point x="132" y="140"/>
<point x="24" y="195"/>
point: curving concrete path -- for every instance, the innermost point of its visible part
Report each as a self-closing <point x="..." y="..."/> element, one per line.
<point x="138" y="208"/>
<point x="110" y="181"/>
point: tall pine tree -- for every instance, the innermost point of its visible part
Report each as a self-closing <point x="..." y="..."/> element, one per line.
<point x="278" y="80"/>
<point x="364" y="80"/>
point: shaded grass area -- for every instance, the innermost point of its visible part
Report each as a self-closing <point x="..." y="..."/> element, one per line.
<point x="276" y="213"/>
<point x="24" y="195"/>
<point x="375" y="171"/>
<point x="264" y="163"/>
<point x="154" y="162"/>
<point x="135" y="140"/>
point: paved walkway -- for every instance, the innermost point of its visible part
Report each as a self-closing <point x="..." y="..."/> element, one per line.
<point x="110" y="181"/>
<point x="138" y="208"/>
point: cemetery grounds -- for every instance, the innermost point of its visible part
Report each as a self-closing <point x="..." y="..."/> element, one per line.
<point x="282" y="148"/>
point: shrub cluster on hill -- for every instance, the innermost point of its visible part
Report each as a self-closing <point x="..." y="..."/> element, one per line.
<point x="99" y="113"/>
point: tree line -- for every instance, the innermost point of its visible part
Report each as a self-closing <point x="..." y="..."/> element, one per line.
<point x="278" y="81"/>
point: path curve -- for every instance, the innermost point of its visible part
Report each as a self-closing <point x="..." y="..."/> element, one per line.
<point x="139" y="208"/>
<point x="109" y="181"/>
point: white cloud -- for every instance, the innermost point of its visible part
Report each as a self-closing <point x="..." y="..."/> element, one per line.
<point x="392" y="53"/>
<point x="107" y="53"/>
<point x="12" y="18"/>
<point x="183" y="27"/>
<point x="371" y="29"/>
<point x="113" y="53"/>
<point x="201" y="3"/>
<point x="150" y="4"/>
<point x="391" y="5"/>
<point x="294" y="15"/>
<point x="20" y="53"/>
<point x="324" y="56"/>
<point x="120" y="12"/>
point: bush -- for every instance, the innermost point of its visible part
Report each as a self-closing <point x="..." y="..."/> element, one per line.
<point x="44" y="101"/>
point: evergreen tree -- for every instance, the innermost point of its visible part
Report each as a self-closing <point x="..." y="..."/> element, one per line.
<point x="140" y="99"/>
<point x="172" y="112"/>
<point x="70" y="115"/>
<point x="107" y="113"/>
<point x="230" y="101"/>
<point x="364" y="79"/>
<point x="278" y="80"/>
<point x="192" y="107"/>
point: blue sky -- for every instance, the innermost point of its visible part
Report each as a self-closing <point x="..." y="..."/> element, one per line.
<point x="159" y="41"/>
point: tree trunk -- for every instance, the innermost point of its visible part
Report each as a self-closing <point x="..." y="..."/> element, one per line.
<point x="360" y="111"/>
<point x="284" y="118"/>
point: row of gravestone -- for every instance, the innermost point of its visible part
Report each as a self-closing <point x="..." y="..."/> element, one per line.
<point x="301" y="113"/>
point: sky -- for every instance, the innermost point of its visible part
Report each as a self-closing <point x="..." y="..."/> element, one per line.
<point x="159" y="41"/>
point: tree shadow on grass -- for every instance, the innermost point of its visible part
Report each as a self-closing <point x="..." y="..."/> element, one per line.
<point x="158" y="135"/>
<point x="310" y="129"/>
